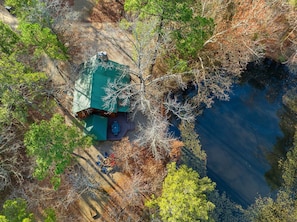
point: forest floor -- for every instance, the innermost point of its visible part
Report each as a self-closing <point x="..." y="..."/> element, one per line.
<point x="96" y="30"/>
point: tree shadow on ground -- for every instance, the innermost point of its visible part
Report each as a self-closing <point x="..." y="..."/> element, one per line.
<point x="108" y="179"/>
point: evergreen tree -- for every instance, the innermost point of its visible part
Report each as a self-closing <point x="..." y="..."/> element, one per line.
<point x="284" y="207"/>
<point x="184" y="196"/>
<point x="189" y="29"/>
<point x="8" y="39"/>
<point x="52" y="144"/>
<point x="15" y="211"/>
<point x="18" y="89"/>
<point x="42" y="40"/>
<point x="290" y="168"/>
<point x="192" y="154"/>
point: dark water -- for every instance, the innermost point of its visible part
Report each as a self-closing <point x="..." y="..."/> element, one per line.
<point x="245" y="137"/>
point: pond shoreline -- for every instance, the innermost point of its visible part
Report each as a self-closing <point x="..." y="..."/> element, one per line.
<point x="266" y="85"/>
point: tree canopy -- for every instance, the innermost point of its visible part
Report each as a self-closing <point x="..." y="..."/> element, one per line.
<point x="174" y="42"/>
<point x="52" y="144"/>
<point x="42" y="40"/>
<point x="19" y="6"/>
<point x="184" y="196"/>
<point x="18" y="90"/>
<point x="192" y="153"/>
<point x="283" y="208"/>
<point x="15" y="211"/>
<point x="290" y="167"/>
<point x="35" y="26"/>
<point x="189" y="29"/>
<point x="8" y="39"/>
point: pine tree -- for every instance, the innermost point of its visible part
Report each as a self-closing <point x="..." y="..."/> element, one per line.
<point x="184" y="196"/>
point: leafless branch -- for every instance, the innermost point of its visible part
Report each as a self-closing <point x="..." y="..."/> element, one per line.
<point x="183" y="110"/>
<point x="10" y="162"/>
<point x="154" y="134"/>
<point x="56" y="13"/>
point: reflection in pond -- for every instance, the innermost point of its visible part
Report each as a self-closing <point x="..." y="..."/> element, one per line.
<point x="245" y="137"/>
<point x="282" y="145"/>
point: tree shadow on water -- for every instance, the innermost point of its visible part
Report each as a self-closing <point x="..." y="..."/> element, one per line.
<point x="191" y="160"/>
<point x="273" y="176"/>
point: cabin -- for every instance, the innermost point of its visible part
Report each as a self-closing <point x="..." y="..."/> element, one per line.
<point x="88" y="104"/>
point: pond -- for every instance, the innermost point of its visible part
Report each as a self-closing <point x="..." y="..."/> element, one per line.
<point x="245" y="136"/>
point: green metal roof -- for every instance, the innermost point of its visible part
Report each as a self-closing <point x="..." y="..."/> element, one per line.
<point x="96" y="125"/>
<point x="93" y="77"/>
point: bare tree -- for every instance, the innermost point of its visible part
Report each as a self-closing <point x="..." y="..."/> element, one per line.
<point x="136" y="191"/>
<point x="211" y="84"/>
<point x="154" y="134"/>
<point x="153" y="91"/>
<point x="40" y="195"/>
<point x="136" y="160"/>
<point x="55" y="14"/>
<point x="143" y="176"/>
<point x="145" y="91"/>
<point x="289" y="43"/>
<point x="80" y="183"/>
<point x="128" y="156"/>
<point x="183" y="110"/>
<point x="150" y="84"/>
<point x="248" y="32"/>
<point x="12" y="165"/>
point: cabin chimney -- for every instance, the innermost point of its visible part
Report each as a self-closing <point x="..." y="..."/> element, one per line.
<point x="102" y="55"/>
